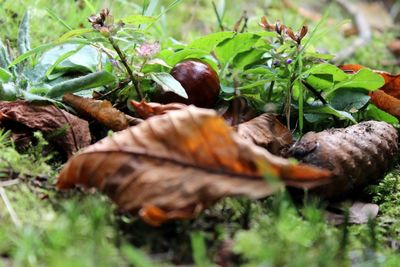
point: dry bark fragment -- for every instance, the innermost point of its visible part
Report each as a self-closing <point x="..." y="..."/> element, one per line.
<point x="357" y="155"/>
<point x="173" y="166"/>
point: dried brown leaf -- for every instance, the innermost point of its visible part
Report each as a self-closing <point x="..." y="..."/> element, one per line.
<point x="266" y="131"/>
<point x="48" y="119"/>
<point x="100" y="110"/>
<point x="149" y="109"/>
<point x="175" y="165"/>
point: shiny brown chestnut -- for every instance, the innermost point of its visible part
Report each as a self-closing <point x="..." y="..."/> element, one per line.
<point x="200" y="82"/>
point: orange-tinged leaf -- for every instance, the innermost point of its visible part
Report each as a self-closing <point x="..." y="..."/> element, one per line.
<point x="149" y="109"/>
<point x="100" y="110"/>
<point x="386" y="102"/>
<point x="174" y="165"/>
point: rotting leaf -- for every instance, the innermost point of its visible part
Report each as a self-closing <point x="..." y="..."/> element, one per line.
<point x="49" y="119"/>
<point x="100" y="110"/>
<point x="266" y="131"/>
<point x="386" y="102"/>
<point x="149" y="109"/>
<point x="174" y="165"/>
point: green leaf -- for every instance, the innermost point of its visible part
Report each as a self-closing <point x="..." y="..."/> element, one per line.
<point x="23" y="41"/>
<point x="30" y="53"/>
<point x="73" y="33"/>
<point x="5" y="75"/>
<point x="91" y="80"/>
<point x="327" y="69"/>
<point x="328" y="109"/>
<point x="228" y="49"/>
<point x="61" y="59"/>
<point x="90" y="6"/>
<point x="183" y="54"/>
<point x="199" y="249"/>
<point x="255" y="84"/>
<point x="259" y="70"/>
<point x="349" y="100"/>
<point x="209" y="42"/>
<point x="244" y="59"/>
<point x="4" y="57"/>
<point x="138" y="19"/>
<point x="375" y="113"/>
<point x="58" y="19"/>
<point x="363" y="79"/>
<point x="169" y="83"/>
<point x="8" y="91"/>
<point x="136" y="257"/>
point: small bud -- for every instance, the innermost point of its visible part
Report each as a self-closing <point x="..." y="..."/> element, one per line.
<point x="289" y="60"/>
<point x="303" y="31"/>
<point x="290" y="33"/>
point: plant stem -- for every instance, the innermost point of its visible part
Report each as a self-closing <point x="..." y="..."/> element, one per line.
<point x="315" y="92"/>
<point x="221" y="26"/>
<point x="126" y="65"/>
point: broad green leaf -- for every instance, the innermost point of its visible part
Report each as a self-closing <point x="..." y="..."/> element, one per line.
<point x="375" y="113"/>
<point x="8" y="91"/>
<point x="328" y="109"/>
<point x="209" y="42"/>
<point x="4" y="57"/>
<point x="327" y="69"/>
<point x="137" y="19"/>
<point x="73" y="33"/>
<point x="255" y="84"/>
<point x="173" y="59"/>
<point x="169" y="83"/>
<point x="91" y="80"/>
<point x="320" y="82"/>
<point x="259" y="70"/>
<point x="349" y="100"/>
<point x="228" y="49"/>
<point x="244" y="59"/>
<point x="30" y="53"/>
<point x="23" y="41"/>
<point x="363" y="79"/>
<point x="5" y="75"/>
<point x="61" y="59"/>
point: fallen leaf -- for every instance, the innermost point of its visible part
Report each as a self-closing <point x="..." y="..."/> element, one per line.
<point x="266" y="131"/>
<point x="357" y="155"/>
<point x="386" y="102"/>
<point x="174" y="165"/>
<point x="100" y="110"/>
<point x="237" y="111"/>
<point x="74" y="132"/>
<point x="149" y="109"/>
<point x="358" y="213"/>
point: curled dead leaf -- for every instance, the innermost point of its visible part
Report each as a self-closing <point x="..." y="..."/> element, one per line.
<point x="174" y="165"/>
<point x="386" y="102"/>
<point x="22" y="117"/>
<point x="149" y="109"/>
<point x="266" y="131"/>
<point x="100" y="110"/>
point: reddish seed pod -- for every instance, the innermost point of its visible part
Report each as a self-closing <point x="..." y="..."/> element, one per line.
<point x="200" y="82"/>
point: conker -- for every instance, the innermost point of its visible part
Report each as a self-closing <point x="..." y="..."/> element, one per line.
<point x="200" y="82"/>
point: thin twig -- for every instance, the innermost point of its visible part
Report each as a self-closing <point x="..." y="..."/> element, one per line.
<point x="221" y="26"/>
<point x="127" y="67"/>
<point x="10" y="209"/>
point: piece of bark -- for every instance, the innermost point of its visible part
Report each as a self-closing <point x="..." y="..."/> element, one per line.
<point x="266" y="131"/>
<point x="357" y="155"/>
<point x="174" y="165"/>
<point x="48" y="119"/>
<point x="358" y="213"/>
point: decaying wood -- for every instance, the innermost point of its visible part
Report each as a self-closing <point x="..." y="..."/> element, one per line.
<point x="174" y="165"/>
<point x="356" y="156"/>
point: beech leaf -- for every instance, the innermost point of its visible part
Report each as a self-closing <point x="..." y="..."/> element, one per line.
<point x="174" y="165"/>
<point x="49" y="119"/>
